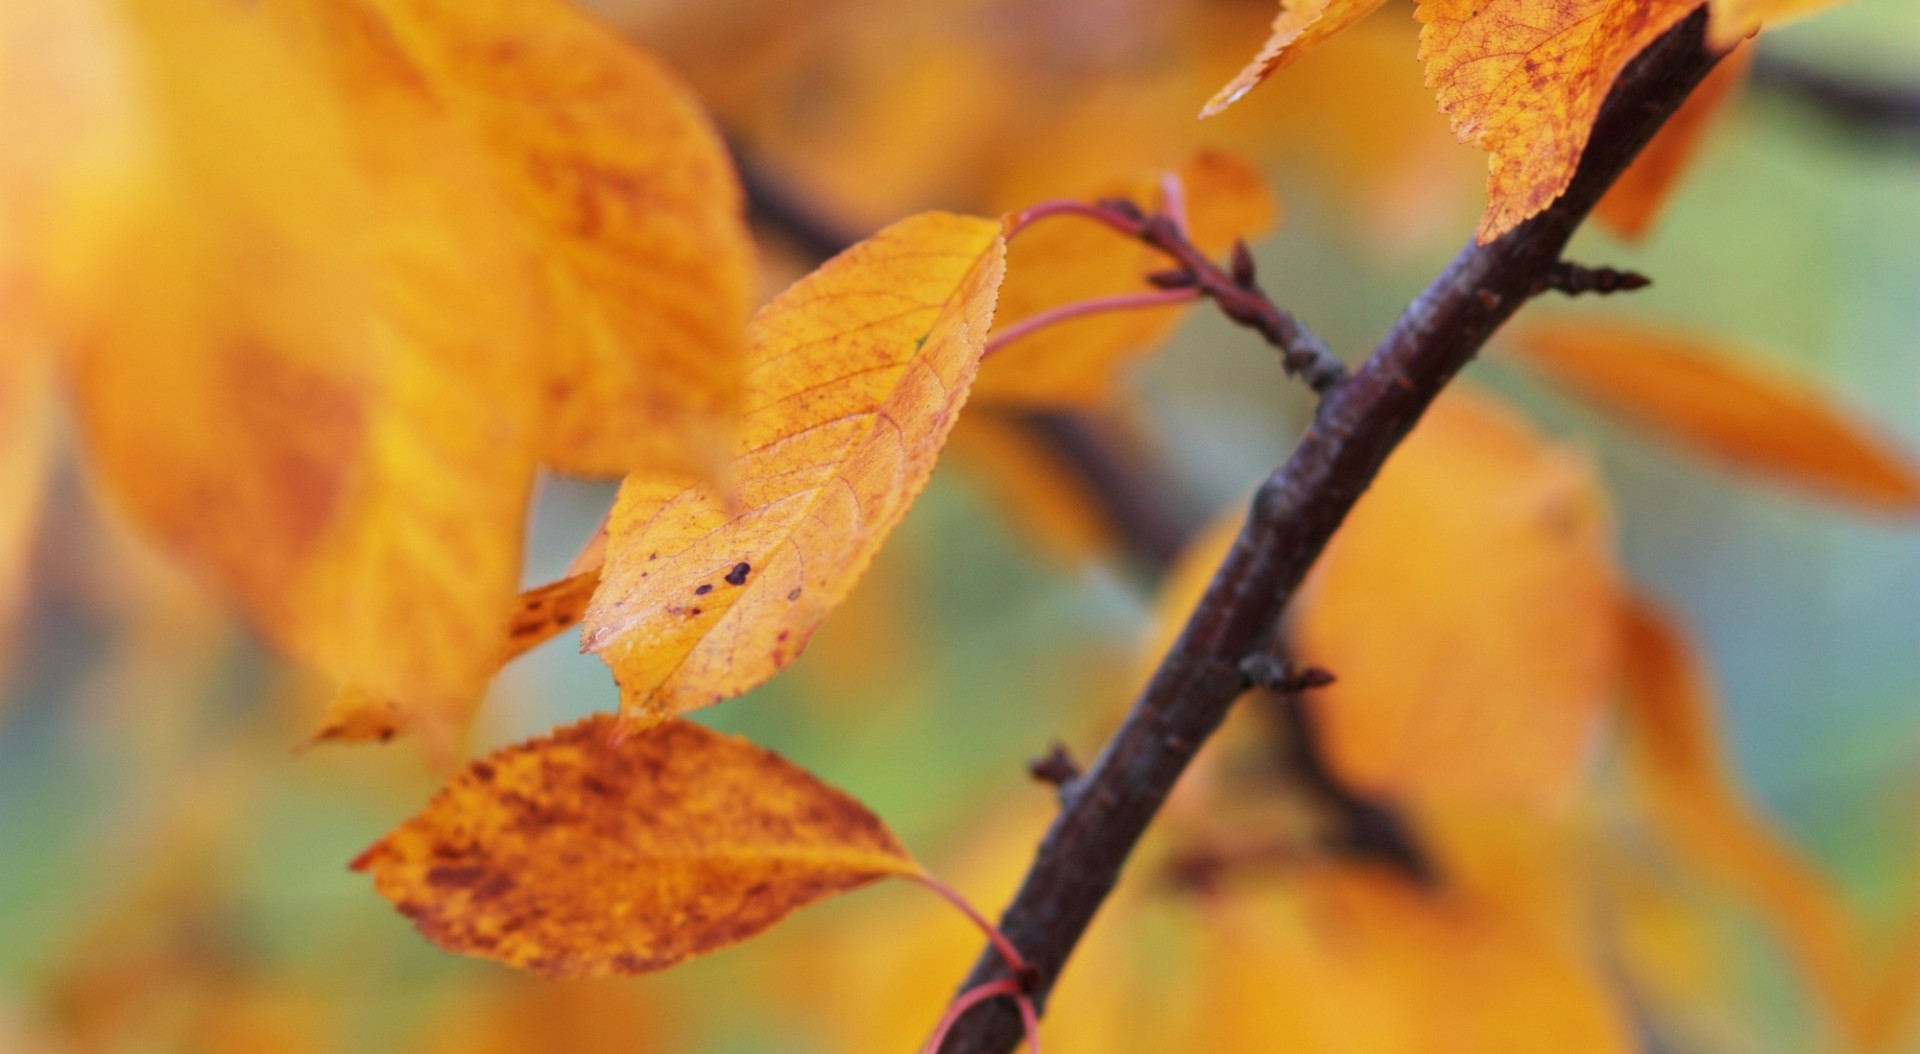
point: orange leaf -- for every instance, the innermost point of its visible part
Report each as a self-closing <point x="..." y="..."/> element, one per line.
<point x="857" y="373"/>
<point x="1694" y="801"/>
<point x="599" y="851"/>
<point x="1698" y="392"/>
<point x="267" y="374"/>
<point x="544" y="612"/>
<point x="1348" y="958"/>
<point x="1636" y="198"/>
<point x="1467" y="609"/>
<point x="1524" y="80"/>
<point x="1300" y="26"/>
<point x="621" y="190"/>
<point x="1060" y="261"/>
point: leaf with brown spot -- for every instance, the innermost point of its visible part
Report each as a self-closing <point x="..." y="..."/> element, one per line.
<point x="1300" y="25"/>
<point x="1695" y="802"/>
<point x="1466" y="607"/>
<point x="1060" y="261"/>
<point x="1696" y="391"/>
<point x="857" y="374"/>
<point x="544" y="612"/>
<point x="1637" y="197"/>
<point x="1524" y="80"/>
<point x="600" y="850"/>
<point x="622" y="191"/>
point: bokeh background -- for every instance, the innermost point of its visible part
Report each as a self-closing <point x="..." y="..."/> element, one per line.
<point x="173" y="875"/>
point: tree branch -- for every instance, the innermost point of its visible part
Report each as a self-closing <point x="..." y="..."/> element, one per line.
<point x="1293" y="515"/>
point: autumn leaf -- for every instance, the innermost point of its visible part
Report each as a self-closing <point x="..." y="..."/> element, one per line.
<point x="1076" y="363"/>
<point x="1695" y="802"/>
<point x="263" y="365"/>
<point x="600" y="850"/>
<point x="1300" y="25"/>
<point x="1467" y="609"/>
<point x="1695" y="391"/>
<point x="856" y="375"/>
<point x="620" y="189"/>
<point x="1524" y="81"/>
<point x="544" y="612"/>
<point x="1633" y="202"/>
<point x="1346" y="957"/>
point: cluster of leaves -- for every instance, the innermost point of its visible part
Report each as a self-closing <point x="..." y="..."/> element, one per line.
<point x="472" y="240"/>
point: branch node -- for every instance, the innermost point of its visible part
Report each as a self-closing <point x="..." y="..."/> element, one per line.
<point x="1056" y="768"/>
<point x="1123" y="207"/>
<point x="1575" y="279"/>
<point x="1280" y="675"/>
<point x="1172" y="278"/>
<point x="1243" y="270"/>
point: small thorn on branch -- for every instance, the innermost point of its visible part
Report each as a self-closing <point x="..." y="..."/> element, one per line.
<point x="1575" y="279"/>
<point x="1280" y="675"/>
<point x="1056" y="768"/>
<point x="1172" y="278"/>
<point x="1243" y="270"/>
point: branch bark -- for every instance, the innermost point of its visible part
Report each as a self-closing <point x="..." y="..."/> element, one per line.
<point x="1293" y="515"/>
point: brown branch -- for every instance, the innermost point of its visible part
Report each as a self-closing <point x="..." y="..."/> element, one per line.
<point x="1293" y="515"/>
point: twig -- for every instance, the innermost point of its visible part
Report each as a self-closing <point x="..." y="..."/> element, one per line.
<point x="1235" y="288"/>
<point x="1575" y="279"/>
<point x="1293" y="515"/>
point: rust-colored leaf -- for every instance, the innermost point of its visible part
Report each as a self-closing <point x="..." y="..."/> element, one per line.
<point x="600" y="850"/>
<point x="1698" y="392"/>
<point x="1637" y="197"/>
<point x="621" y="189"/>
<point x="1524" y="80"/>
<point x="1300" y="25"/>
<point x="1467" y="609"/>
<point x="1694" y="799"/>
<point x="856" y="375"/>
<point x="1061" y="261"/>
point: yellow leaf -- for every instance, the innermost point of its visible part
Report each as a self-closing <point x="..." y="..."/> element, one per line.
<point x="856" y="375"/>
<point x="1700" y="393"/>
<point x="623" y="193"/>
<point x="1347" y="960"/>
<point x="1524" y="80"/>
<point x="1061" y="261"/>
<point x="1694" y="801"/>
<point x="1467" y="609"/>
<point x="266" y="372"/>
<point x="543" y="613"/>
<point x="600" y="851"/>
<point x="1300" y="25"/>
<point x="1636" y="198"/>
